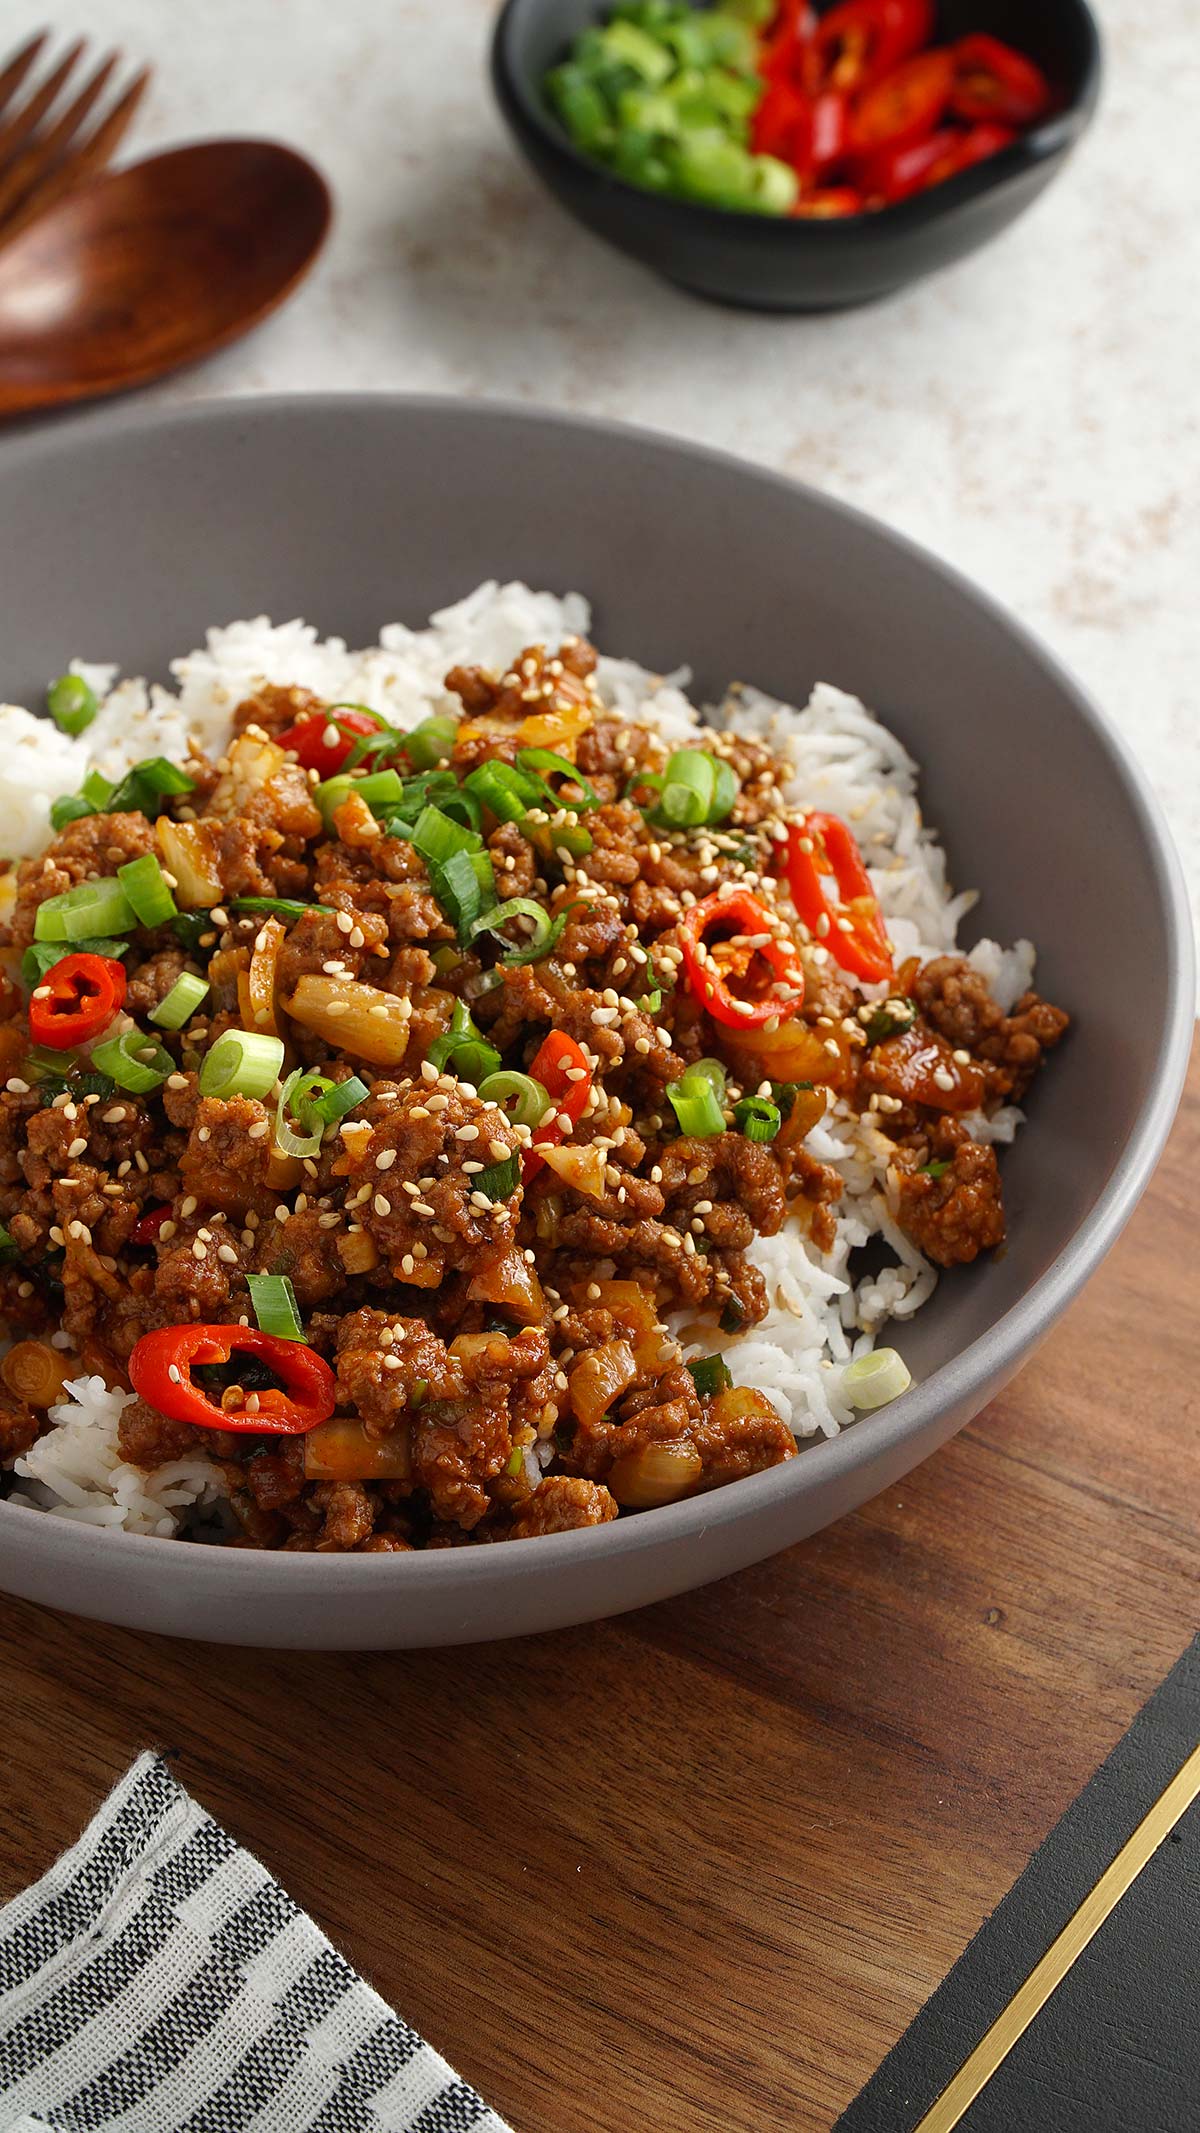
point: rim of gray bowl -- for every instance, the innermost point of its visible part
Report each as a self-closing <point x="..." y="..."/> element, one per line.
<point x="1051" y="137"/>
<point x="956" y="1380"/>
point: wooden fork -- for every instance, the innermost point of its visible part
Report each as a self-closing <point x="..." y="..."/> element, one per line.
<point x="46" y="152"/>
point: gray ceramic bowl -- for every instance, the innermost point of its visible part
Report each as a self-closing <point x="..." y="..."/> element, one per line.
<point x="353" y="511"/>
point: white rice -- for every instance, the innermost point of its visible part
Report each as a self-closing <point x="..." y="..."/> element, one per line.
<point x="843" y="760"/>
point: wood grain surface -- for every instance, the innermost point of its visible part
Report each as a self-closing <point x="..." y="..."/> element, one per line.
<point x="694" y="1870"/>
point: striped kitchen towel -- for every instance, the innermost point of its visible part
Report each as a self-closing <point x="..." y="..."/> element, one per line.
<point x="158" y="1980"/>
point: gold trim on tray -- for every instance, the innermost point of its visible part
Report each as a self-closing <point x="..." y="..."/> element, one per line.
<point x="1048" y="1974"/>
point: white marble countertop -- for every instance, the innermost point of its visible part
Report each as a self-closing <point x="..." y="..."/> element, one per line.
<point x="1031" y="413"/>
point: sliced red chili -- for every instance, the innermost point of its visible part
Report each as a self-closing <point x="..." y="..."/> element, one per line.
<point x="896" y="173"/>
<point x="992" y="81"/>
<point x="825" y="202"/>
<point x="323" y="740"/>
<point x="851" y="927"/>
<point x="161" y="1366"/>
<point x="784" y="52"/>
<point x="860" y="41"/>
<point x="736" y="937"/>
<point x="76" y="999"/>
<point x="783" y="126"/>
<point x="562" y="1068"/>
<point x="906" y="105"/>
<point x="830" y="133"/>
<point x="973" y="146"/>
<point x="145" y="1231"/>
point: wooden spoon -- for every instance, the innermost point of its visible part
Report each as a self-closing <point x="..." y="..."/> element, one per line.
<point x="152" y="267"/>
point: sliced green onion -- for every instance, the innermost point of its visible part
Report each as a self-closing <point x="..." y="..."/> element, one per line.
<point x="872" y="1380"/>
<point x="431" y="742"/>
<point x="933" y="1170"/>
<point x="784" y="1093"/>
<point x="710" y="1374"/>
<point x="286" y="907"/>
<point x="756" y="1118"/>
<point x="688" y="786"/>
<point x="545" y="936"/>
<point x="890" y="1020"/>
<point x="41" y="1061"/>
<point x="330" y="794"/>
<point x="499" y="1180"/>
<point x="97" y="790"/>
<point x="726" y="787"/>
<point x="465" y="886"/>
<point x="190" y="927"/>
<point x="134" y="1061"/>
<point x="547" y="764"/>
<point x="41" y="956"/>
<point x="298" y="1085"/>
<point x="520" y="1095"/>
<point x="342" y="1097"/>
<point x="463" y="1050"/>
<point x="516" y="1461"/>
<point x="92" y="908"/>
<point x="9" y="1248"/>
<point x="274" y="1301"/>
<point x="241" y="1063"/>
<point x="71" y="807"/>
<point x="381" y="789"/>
<point x="146" y="890"/>
<point x="695" y="1105"/>
<point x="712" y="1071"/>
<point x="181" y="1002"/>
<point x="436" y="837"/>
<point x="143" y="787"/>
<point x="71" y="703"/>
<point x="509" y="793"/>
<point x="652" y="998"/>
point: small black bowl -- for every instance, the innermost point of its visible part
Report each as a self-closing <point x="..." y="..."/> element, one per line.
<point x="766" y="263"/>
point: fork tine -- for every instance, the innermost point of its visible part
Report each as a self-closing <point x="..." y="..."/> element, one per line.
<point x="91" y="156"/>
<point x="18" y="67"/>
<point x="21" y="125"/>
<point x="43" y="152"/>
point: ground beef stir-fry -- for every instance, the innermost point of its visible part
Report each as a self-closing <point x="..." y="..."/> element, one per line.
<point x="397" y="1113"/>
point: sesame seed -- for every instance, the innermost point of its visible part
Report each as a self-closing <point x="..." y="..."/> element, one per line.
<point x="174" y="1373"/>
<point x="467" y="1133"/>
<point x="17" y="1086"/>
<point x="197" y="1248"/>
<point x="282" y="1212"/>
<point x="78" y="1145"/>
<point x="227" y="1253"/>
<point x="177" y="1081"/>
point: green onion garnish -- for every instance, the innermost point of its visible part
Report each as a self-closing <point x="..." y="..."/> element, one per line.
<point x="694" y="1102"/>
<point x="712" y="1071"/>
<point x="134" y="1061"/>
<point x="524" y="1099"/>
<point x="652" y="998"/>
<point x="339" y="1098"/>
<point x="499" y="1180"/>
<point x="146" y="890"/>
<point x="9" y="1248"/>
<point x="933" y="1170"/>
<point x="41" y="956"/>
<point x="546" y="764"/>
<point x="92" y="908"/>
<point x="181" y="1002"/>
<point x="710" y="1374"/>
<point x="285" y="907"/>
<point x="872" y="1380"/>
<point x="516" y="1461"/>
<point x="890" y="1020"/>
<point x="694" y="788"/>
<point x="431" y="742"/>
<point x="241" y="1063"/>
<point x="71" y="703"/>
<point x="41" y="1061"/>
<point x="436" y="837"/>
<point x="143" y="787"/>
<point x="274" y="1301"/>
<point x="97" y="790"/>
<point x="297" y="1092"/>
<point x="463" y="1050"/>
<point x="756" y="1118"/>
<point x="546" y="933"/>
<point x="189" y="928"/>
<point x="382" y="790"/>
<point x="70" y="808"/>
<point x="509" y="793"/>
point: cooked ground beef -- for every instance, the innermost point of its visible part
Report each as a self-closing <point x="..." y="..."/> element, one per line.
<point x="463" y="1286"/>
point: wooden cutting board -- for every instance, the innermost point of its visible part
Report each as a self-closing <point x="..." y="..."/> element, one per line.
<point x="693" y="1871"/>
